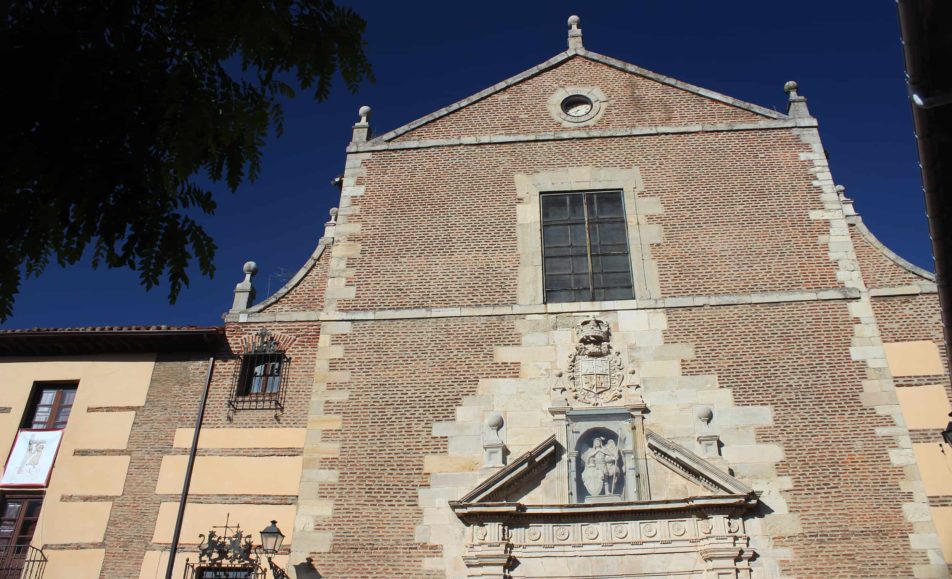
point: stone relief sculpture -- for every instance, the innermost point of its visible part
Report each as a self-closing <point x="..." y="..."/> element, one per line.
<point x="601" y="474"/>
<point x="595" y="371"/>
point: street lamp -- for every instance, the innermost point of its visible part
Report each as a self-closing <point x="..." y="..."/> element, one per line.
<point x="947" y="433"/>
<point x="271" y="539"/>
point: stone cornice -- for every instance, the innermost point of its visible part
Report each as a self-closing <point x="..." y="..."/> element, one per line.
<point x="560" y="308"/>
<point x="768" y="124"/>
<point x="700" y="503"/>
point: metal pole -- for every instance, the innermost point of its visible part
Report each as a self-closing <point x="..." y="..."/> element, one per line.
<point x="188" y="470"/>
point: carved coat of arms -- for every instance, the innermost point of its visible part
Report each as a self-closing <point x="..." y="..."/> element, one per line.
<point x="595" y="371"/>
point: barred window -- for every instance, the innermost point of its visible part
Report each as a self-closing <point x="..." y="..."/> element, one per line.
<point x="585" y="247"/>
<point x="261" y="375"/>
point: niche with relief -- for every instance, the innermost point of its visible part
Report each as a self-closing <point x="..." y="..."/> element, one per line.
<point x="600" y="467"/>
<point x="601" y="458"/>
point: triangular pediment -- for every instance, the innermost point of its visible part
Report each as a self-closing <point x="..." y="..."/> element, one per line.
<point x="528" y="470"/>
<point x="692" y="467"/>
<point x="636" y="97"/>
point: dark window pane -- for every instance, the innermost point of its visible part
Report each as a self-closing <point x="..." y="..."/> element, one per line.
<point x="558" y="265"/>
<point x="606" y="280"/>
<point x="580" y="264"/>
<point x="610" y="263"/>
<point x="578" y="238"/>
<point x="557" y="236"/>
<point x="555" y="207"/>
<point x="560" y="296"/>
<point x="576" y="207"/>
<point x="607" y="204"/>
<point x="619" y="293"/>
<point x="604" y="234"/>
<point x="11" y="510"/>
<point x="558" y="282"/>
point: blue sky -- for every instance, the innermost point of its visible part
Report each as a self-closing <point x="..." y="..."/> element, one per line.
<point x="847" y="61"/>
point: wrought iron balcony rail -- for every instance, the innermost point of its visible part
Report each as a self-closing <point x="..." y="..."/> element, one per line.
<point x="21" y="562"/>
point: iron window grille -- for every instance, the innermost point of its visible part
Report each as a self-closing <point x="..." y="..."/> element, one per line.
<point x="585" y="247"/>
<point x="261" y="376"/>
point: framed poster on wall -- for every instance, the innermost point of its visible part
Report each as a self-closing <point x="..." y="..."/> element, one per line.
<point x="31" y="458"/>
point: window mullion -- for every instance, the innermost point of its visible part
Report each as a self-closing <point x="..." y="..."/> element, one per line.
<point x="54" y="408"/>
<point x="588" y="249"/>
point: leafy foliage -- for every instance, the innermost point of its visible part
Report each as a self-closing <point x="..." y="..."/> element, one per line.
<point x="112" y="108"/>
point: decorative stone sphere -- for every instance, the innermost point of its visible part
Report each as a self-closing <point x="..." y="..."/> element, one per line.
<point x="250" y="268"/>
<point x="364" y="111"/>
<point x="790" y="86"/>
<point x="494" y="420"/>
<point x="704" y="414"/>
<point x="840" y="190"/>
<point x="573" y="20"/>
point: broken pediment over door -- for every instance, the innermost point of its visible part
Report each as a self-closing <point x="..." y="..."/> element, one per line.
<point x="700" y="536"/>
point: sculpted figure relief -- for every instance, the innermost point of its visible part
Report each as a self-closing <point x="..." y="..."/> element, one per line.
<point x="601" y="474"/>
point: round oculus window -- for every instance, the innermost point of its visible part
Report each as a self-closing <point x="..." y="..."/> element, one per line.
<point x="577" y="105"/>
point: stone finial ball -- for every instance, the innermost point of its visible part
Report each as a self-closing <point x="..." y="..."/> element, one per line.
<point x="250" y="267"/>
<point x="573" y="20"/>
<point x="704" y="414"/>
<point x="790" y="86"/>
<point x="494" y="420"/>
<point x="840" y="189"/>
<point x="333" y="212"/>
<point x="364" y="111"/>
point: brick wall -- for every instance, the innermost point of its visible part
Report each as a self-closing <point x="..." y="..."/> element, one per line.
<point x="171" y="403"/>
<point x="910" y="318"/>
<point x="305" y="336"/>
<point x="406" y="376"/>
<point x="735" y="219"/>
<point x="795" y="358"/>
<point x="307" y="294"/>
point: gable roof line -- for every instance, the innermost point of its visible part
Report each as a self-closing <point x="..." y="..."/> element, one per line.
<point x="889" y="254"/>
<point x="560" y="58"/>
<point x="631" y="68"/>
<point x="557" y="59"/>
<point x="233" y="316"/>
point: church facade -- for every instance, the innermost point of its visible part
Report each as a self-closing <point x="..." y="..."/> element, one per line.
<point x="590" y="322"/>
<point x="597" y="322"/>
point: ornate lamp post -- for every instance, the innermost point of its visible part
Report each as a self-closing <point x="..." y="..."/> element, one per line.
<point x="947" y="433"/>
<point x="271" y="540"/>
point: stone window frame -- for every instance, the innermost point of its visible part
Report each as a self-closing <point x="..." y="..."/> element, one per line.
<point x="594" y="94"/>
<point x="529" y="189"/>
